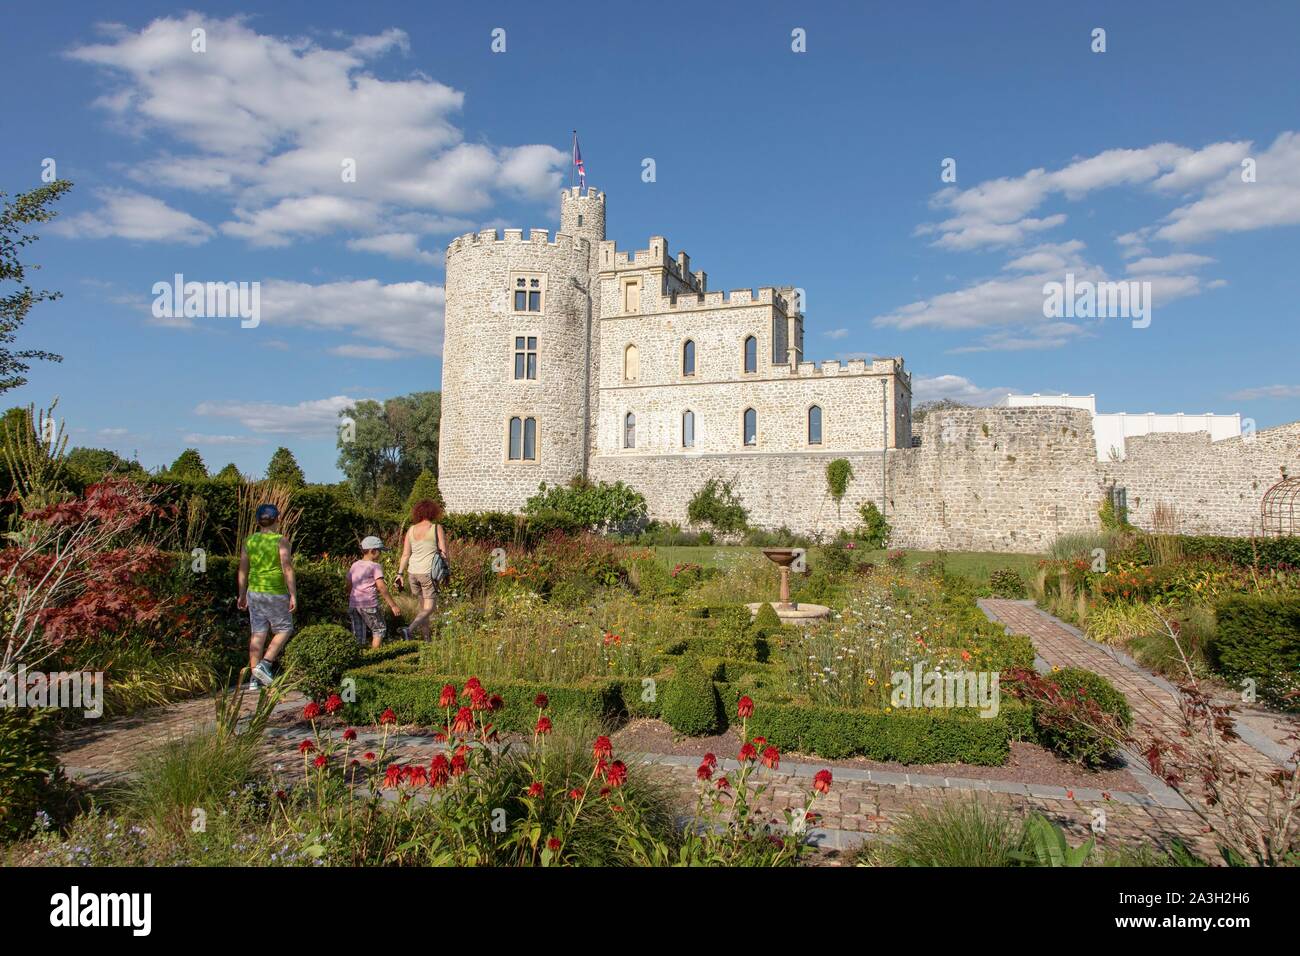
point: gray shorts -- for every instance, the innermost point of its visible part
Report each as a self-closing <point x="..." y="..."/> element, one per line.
<point x="269" y="612"/>
<point x="365" y="619"/>
<point x="423" y="587"/>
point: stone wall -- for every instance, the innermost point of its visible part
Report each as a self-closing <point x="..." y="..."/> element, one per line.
<point x="1215" y="487"/>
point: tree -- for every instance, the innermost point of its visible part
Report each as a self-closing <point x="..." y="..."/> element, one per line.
<point x="25" y="209"/>
<point x="426" y="486"/>
<point x="284" y="470"/>
<point x="937" y="405"/>
<point x="390" y="443"/>
<point x="188" y="464"/>
<point x="229" y="473"/>
<point x="92" y="464"/>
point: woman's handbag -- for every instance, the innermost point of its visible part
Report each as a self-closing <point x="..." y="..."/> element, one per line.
<point x="441" y="571"/>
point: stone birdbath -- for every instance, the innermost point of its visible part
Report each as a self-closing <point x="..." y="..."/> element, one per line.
<point x="788" y="611"/>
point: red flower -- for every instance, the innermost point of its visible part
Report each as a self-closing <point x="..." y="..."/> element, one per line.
<point x="759" y="741"/>
<point x="333" y="704"/>
<point x="281" y="795"/>
<point x="306" y="747"/>
<point x="458" y="765"/>
<point x="553" y="845"/>
<point x="311" y="711"/>
<point x="543" y="725"/>
<point x="604" y="791"/>
<point x="464" y="721"/>
<point x="822" y="781"/>
<point x="320" y="761"/>
<point x="535" y="789"/>
<point x="448" y="698"/>
<point x="745" y="707"/>
<point x="388" y="717"/>
<point x="747" y="752"/>
<point x="704" y="772"/>
<point x="711" y="760"/>
<point x="393" y="776"/>
<point x="723" y="783"/>
<point x="439" y="771"/>
<point x="349" y="734"/>
<point x="478" y="698"/>
<point x="354" y="763"/>
<point x="576" y="793"/>
<point x="417" y="776"/>
<point x="540" y="701"/>
<point x="471" y="684"/>
<point x="602" y="748"/>
<point x="369" y="755"/>
<point x="495" y="702"/>
<point x="617" y="774"/>
<point x="771" y="758"/>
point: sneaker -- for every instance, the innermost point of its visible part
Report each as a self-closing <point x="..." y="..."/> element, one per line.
<point x="262" y="674"/>
<point x="254" y="686"/>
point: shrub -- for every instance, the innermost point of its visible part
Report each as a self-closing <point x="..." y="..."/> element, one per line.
<point x="874" y="531"/>
<point x="717" y="505"/>
<point x="896" y="559"/>
<point x="767" y="621"/>
<point x="425" y="488"/>
<point x="1080" y="715"/>
<point x="31" y="780"/>
<point x="1007" y="583"/>
<point x="319" y="655"/>
<point x="1258" y="638"/>
<point x="690" y="704"/>
<point x="596" y="507"/>
<point x="955" y="833"/>
<point x="199" y="770"/>
<point x="838" y="475"/>
<point x="836" y="558"/>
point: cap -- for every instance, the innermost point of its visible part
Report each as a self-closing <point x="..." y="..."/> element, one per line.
<point x="372" y="543"/>
<point x="267" y="512"/>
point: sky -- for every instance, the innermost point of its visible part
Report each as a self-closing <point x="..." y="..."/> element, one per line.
<point x="920" y="170"/>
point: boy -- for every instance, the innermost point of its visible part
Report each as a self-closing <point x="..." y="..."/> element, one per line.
<point x="365" y="587"/>
<point x="268" y="592"/>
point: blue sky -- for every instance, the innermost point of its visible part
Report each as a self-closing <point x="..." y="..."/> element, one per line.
<point x="817" y="169"/>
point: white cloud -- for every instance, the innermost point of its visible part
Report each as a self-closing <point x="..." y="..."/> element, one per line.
<point x="405" y="315"/>
<point x="366" y="352"/>
<point x="957" y="388"/>
<point x="200" y="440"/>
<point x="311" y="419"/>
<point x="1266" y="391"/>
<point x="837" y="334"/>
<point x="290" y="218"/>
<point x="126" y="214"/>
<point x="1172" y="263"/>
<point x="395" y="245"/>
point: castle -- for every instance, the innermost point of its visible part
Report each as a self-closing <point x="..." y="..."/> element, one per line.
<point x="565" y="357"/>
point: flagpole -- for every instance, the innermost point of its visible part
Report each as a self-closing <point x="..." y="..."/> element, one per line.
<point x="573" y="166"/>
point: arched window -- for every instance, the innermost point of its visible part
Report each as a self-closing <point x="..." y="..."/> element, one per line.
<point x="751" y="354"/>
<point x="751" y="427"/>
<point x="688" y="429"/>
<point x="629" y="431"/>
<point x="688" y="357"/>
<point x="523" y="439"/>
<point x="815" y="425"/>
<point x="631" y="364"/>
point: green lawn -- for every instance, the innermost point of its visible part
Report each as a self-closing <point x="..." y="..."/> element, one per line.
<point x="974" y="564"/>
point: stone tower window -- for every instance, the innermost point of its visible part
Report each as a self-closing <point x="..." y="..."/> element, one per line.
<point x="629" y="431"/>
<point x="528" y="291"/>
<point x="751" y="427"/>
<point x="815" y="425"/>
<point x="579" y="219"/>
<point x="523" y="439"/>
<point x="525" y="356"/>
<point x="631" y="364"/>
<point x="751" y="354"/>
<point x="688" y="357"/>
<point x="688" y="429"/>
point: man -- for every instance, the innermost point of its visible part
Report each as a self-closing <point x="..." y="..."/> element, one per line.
<point x="268" y="592"/>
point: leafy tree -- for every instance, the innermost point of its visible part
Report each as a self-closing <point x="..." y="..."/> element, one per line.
<point x="717" y="504"/>
<point x="284" y="470"/>
<point x="92" y="464"/>
<point x="874" y="530"/>
<point x="426" y="486"/>
<point x="601" y="507"/>
<point x="229" y="473"/>
<point x="25" y="209"/>
<point x="188" y="464"/>
<point x="392" y="442"/>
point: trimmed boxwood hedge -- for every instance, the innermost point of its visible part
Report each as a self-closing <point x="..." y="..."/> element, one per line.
<point x="1257" y="637"/>
<point x="1240" y="551"/>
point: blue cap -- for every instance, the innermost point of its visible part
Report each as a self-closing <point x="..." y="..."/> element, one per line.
<point x="267" y="512"/>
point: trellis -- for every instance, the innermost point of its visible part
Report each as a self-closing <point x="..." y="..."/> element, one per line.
<point x="1280" y="509"/>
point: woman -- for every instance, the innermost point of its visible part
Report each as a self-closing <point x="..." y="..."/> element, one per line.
<point x="423" y="544"/>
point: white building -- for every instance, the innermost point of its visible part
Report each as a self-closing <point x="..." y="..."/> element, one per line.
<point x="1111" y="428"/>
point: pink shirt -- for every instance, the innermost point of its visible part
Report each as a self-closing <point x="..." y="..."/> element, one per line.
<point x="362" y="578"/>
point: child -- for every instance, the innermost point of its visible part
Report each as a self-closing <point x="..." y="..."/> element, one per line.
<point x="365" y="588"/>
<point x="268" y="592"/>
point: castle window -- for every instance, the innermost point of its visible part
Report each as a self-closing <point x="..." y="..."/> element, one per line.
<point x="751" y="354"/>
<point x="688" y="429"/>
<point x="688" y="358"/>
<point x="815" y="425"/>
<point x="528" y="291"/>
<point x="629" y="431"/>
<point x="523" y="439"/>
<point x="525" y="356"/>
<point x="751" y="427"/>
<point x="579" y="219"/>
<point x="631" y="364"/>
<point x="631" y="295"/>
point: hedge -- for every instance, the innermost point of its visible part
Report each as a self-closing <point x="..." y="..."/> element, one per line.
<point x="1258" y="638"/>
<point x="1240" y="551"/>
<point x="499" y="527"/>
<point x="321" y="585"/>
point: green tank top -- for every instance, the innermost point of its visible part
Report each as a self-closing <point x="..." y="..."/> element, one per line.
<point x="265" y="576"/>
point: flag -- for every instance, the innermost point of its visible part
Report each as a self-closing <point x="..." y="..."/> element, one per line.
<point x="577" y="162"/>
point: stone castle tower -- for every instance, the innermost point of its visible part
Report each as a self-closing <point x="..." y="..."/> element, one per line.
<point x="519" y="358"/>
